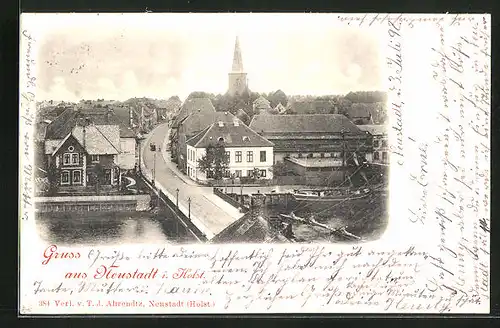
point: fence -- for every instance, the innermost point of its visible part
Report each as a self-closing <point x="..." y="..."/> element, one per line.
<point x="93" y="203"/>
<point x="176" y="211"/>
<point x="289" y="180"/>
<point x="230" y="200"/>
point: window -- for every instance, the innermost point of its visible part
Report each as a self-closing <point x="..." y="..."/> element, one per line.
<point x="66" y="159"/>
<point x="300" y="155"/>
<point x="94" y="158"/>
<point x="227" y="174"/>
<point x="375" y="143"/>
<point x="376" y="155"/>
<point x="238" y="172"/>
<point x="322" y="155"/>
<point x="309" y="155"/>
<point x="71" y="148"/>
<point x="384" y="144"/>
<point x="249" y="173"/>
<point x="384" y="156"/>
<point x="228" y="156"/>
<point x="75" y="159"/>
<point x="77" y="177"/>
<point x="263" y="155"/>
<point x="71" y="158"/>
<point x="336" y="155"/>
<point x="249" y="156"/>
<point x="64" y="177"/>
<point x="238" y="157"/>
<point x="262" y="173"/>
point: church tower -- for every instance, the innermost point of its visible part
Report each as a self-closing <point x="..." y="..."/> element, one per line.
<point x="238" y="82"/>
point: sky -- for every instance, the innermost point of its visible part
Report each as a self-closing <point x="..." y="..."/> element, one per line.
<point x="120" y="56"/>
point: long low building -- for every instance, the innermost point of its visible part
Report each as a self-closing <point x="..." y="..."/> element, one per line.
<point x="312" y="136"/>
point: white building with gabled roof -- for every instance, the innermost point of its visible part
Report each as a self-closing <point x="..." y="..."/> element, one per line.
<point x="245" y="149"/>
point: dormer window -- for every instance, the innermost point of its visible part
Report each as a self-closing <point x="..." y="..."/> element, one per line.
<point x="221" y="124"/>
<point x="245" y="138"/>
<point x="221" y="139"/>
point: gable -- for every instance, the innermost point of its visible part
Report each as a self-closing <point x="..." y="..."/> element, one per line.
<point x="66" y="144"/>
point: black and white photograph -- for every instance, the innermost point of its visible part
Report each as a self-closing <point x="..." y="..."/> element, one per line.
<point x="254" y="163"/>
<point x="230" y="134"/>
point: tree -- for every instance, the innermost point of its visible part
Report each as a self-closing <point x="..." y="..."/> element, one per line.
<point x="277" y="98"/>
<point x="256" y="173"/>
<point x="200" y="94"/>
<point x="279" y="169"/>
<point x="175" y="99"/>
<point x="215" y="162"/>
<point x="343" y="106"/>
<point x="53" y="176"/>
<point x="98" y="176"/>
<point x="366" y="96"/>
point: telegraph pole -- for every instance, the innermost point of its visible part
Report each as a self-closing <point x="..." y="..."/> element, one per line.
<point x="343" y="154"/>
<point x="189" y="208"/>
<point x="154" y="168"/>
<point x="177" y="199"/>
<point x="241" y="194"/>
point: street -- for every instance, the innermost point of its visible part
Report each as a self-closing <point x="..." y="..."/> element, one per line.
<point x="209" y="213"/>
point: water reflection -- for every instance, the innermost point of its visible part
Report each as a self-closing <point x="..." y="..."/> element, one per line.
<point x="110" y="228"/>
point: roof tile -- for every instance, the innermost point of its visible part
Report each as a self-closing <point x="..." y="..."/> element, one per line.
<point x="319" y="123"/>
<point x="238" y="135"/>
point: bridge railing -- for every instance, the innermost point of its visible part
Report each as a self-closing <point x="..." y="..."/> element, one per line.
<point x="230" y="200"/>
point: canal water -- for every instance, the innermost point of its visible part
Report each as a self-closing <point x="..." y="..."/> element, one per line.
<point x="367" y="219"/>
<point x="111" y="228"/>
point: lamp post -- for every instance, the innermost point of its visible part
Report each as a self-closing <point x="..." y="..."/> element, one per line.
<point x="177" y="198"/>
<point x="139" y="148"/>
<point x="154" y="168"/>
<point x="189" y="208"/>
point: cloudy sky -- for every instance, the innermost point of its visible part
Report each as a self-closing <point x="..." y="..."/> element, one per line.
<point x="88" y="56"/>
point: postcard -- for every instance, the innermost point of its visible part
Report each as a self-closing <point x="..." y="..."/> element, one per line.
<point x="254" y="163"/>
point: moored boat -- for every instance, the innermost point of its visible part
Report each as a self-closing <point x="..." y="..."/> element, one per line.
<point x="330" y="195"/>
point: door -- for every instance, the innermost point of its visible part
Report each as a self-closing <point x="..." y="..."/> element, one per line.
<point x="107" y="177"/>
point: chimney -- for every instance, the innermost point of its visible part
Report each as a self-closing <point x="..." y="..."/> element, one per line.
<point x="221" y="124"/>
<point x="236" y="123"/>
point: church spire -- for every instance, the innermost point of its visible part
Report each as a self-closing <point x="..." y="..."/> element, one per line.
<point x="237" y="60"/>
